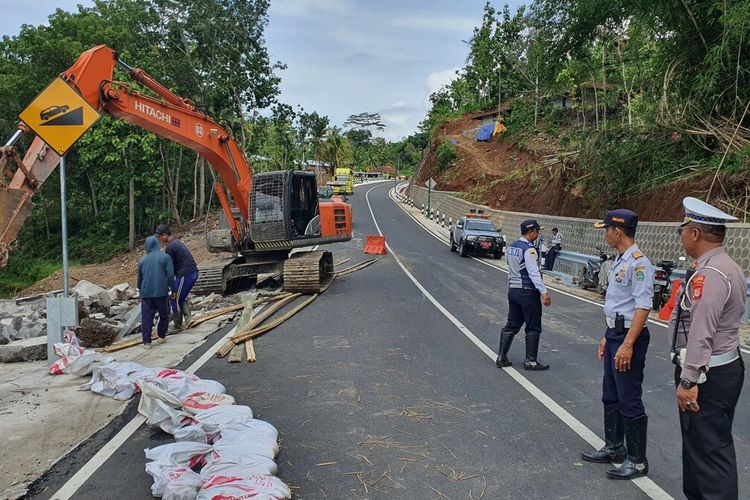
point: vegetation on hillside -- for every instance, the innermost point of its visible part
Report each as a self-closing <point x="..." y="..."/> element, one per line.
<point x="642" y="93"/>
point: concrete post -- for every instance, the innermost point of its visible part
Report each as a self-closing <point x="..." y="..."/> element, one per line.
<point x="450" y="222"/>
<point x="423" y="212"/>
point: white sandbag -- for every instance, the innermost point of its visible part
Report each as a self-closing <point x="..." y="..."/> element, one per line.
<point x="117" y="379"/>
<point x="66" y="351"/>
<point x="193" y="433"/>
<point x="213" y="419"/>
<point x="187" y="454"/>
<point x="257" y="486"/>
<point x="205" y="401"/>
<point x="86" y="362"/>
<point x="182" y="384"/>
<point x="242" y="445"/>
<point x="175" y="482"/>
<point x="158" y="413"/>
<point x="248" y="429"/>
<point x="238" y="467"/>
<point x="157" y="388"/>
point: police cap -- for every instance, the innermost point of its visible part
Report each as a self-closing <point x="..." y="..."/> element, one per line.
<point x="621" y="217"/>
<point x="702" y="213"/>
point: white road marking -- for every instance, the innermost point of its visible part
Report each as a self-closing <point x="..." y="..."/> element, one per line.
<point x="84" y="473"/>
<point x="646" y="485"/>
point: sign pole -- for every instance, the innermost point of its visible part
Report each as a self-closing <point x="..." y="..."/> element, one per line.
<point x="64" y="226"/>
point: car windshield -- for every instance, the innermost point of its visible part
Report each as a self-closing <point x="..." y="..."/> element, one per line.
<point x="480" y="225"/>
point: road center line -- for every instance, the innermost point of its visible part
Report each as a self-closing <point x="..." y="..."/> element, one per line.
<point x="646" y="485"/>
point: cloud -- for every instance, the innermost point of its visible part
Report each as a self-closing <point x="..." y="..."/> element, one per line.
<point x="437" y="80"/>
<point x="437" y="23"/>
<point x="307" y="8"/>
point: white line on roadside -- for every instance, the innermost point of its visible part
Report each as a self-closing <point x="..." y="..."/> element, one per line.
<point x="583" y="299"/>
<point x="84" y="473"/>
<point x="646" y="485"/>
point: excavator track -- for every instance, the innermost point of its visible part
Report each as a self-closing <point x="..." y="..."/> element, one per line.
<point x="210" y="279"/>
<point x="308" y="272"/>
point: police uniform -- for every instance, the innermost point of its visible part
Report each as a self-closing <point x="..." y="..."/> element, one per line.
<point x="705" y="339"/>
<point x="631" y="287"/>
<point x="525" y="287"/>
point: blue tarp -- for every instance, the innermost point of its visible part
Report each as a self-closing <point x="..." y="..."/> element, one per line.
<point x="485" y="132"/>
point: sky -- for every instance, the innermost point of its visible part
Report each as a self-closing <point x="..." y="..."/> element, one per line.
<point x="345" y="57"/>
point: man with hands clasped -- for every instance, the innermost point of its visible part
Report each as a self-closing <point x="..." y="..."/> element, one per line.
<point x="709" y="370"/>
<point x="623" y="350"/>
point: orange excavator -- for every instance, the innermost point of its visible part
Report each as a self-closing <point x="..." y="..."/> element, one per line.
<point x="268" y="214"/>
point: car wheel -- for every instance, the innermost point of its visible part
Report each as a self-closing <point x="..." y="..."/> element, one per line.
<point x="452" y="244"/>
<point x="498" y="254"/>
<point x="462" y="251"/>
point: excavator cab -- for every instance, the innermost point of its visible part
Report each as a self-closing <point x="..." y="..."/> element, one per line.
<point x="284" y="207"/>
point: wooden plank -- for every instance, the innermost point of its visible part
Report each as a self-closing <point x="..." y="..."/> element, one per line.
<point x="235" y="355"/>
<point x="250" y="351"/>
<point x="230" y="343"/>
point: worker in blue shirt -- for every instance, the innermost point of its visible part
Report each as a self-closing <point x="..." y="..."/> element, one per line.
<point x="623" y="349"/>
<point x="526" y="293"/>
<point x="185" y="274"/>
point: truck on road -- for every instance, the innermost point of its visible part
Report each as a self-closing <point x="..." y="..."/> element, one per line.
<point x="343" y="181"/>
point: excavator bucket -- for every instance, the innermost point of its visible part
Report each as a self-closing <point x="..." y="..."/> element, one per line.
<point x="14" y="208"/>
<point x="26" y="177"/>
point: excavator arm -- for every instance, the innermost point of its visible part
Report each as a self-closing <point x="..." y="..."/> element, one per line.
<point x="167" y="115"/>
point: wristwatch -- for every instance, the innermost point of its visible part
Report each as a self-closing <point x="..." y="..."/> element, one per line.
<point x="687" y="384"/>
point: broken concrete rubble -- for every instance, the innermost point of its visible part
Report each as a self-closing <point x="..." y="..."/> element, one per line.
<point x="113" y="313"/>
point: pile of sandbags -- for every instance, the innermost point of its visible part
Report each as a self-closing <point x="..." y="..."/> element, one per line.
<point x="220" y="452"/>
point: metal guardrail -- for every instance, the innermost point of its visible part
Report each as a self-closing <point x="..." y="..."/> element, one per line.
<point x="581" y="259"/>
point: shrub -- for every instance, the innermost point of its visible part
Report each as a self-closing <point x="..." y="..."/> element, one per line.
<point x="446" y="155"/>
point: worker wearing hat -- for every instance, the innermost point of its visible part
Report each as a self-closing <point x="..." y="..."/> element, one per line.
<point x="526" y="292"/>
<point x="623" y="348"/>
<point x="705" y="349"/>
<point x="185" y="272"/>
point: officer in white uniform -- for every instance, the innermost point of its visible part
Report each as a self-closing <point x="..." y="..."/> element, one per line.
<point x="709" y="368"/>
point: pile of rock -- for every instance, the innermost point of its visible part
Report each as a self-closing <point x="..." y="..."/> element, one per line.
<point x="104" y="314"/>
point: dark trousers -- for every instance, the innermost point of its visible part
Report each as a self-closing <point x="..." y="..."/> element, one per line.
<point x="524" y="307"/>
<point x="625" y="388"/>
<point x="709" y="463"/>
<point x="149" y="308"/>
<point x="183" y="284"/>
<point x="549" y="259"/>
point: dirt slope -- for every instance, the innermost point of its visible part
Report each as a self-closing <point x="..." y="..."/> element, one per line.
<point x="123" y="268"/>
<point x="500" y="175"/>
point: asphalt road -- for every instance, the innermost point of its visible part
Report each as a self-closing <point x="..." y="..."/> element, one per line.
<point x="379" y="394"/>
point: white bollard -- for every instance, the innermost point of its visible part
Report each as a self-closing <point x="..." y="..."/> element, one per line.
<point x="423" y="212"/>
<point x="442" y="221"/>
<point x="450" y="222"/>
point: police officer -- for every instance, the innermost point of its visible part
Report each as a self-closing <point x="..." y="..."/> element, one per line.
<point x="705" y="345"/>
<point x="526" y="292"/>
<point x="623" y="349"/>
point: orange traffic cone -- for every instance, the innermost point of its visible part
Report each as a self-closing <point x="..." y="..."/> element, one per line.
<point x="375" y="245"/>
<point x="666" y="312"/>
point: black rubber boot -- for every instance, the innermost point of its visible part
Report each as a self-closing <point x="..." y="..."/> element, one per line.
<point x="177" y="320"/>
<point x="532" y="348"/>
<point x="502" y="359"/>
<point x="636" y="464"/>
<point x="185" y="312"/>
<point x="614" y="436"/>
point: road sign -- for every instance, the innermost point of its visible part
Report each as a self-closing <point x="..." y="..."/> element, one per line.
<point x="59" y="116"/>
<point x="430" y="183"/>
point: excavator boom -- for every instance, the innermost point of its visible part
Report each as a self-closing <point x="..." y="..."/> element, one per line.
<point x="283" y="211"/>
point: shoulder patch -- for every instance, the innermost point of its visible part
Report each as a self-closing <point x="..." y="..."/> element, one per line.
<point x="637" y="254"/>
<point x="640" y="276"/>
<point x="697" y="285"/>
<point x="532" y="252"/>
<point x="639" y="268"/>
